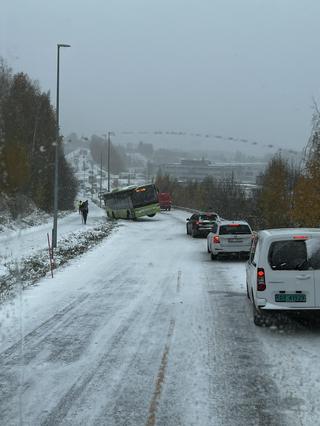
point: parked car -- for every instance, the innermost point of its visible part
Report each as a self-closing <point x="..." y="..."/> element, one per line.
<point x="200" y="224"/>
<point x="229" y="237"/>
<point x="165" y="200"/>
<point x="283" y="272"/>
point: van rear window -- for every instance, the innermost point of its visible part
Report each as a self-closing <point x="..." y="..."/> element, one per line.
<point x="234" y="229"/>
<point x="295" y="255"/>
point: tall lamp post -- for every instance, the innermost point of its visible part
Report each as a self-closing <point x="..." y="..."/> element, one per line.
<point x="109" y="144"/>
<point x="56" y="161"/>
<point x="109" y="150"/>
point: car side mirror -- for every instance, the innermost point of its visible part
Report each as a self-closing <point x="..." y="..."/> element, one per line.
<point x="188" y="219"/>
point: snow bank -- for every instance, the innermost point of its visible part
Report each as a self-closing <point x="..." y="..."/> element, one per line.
<point x="29" y="269"/>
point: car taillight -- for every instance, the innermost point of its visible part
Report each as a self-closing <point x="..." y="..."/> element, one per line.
<point x="261" y="280"/>
<point x="197" y="222"/>
<point x="216" y="239"/>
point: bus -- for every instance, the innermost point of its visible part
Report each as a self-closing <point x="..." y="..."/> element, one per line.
<point x="132" y="202"/>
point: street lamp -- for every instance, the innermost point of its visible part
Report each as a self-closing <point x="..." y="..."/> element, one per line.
<point x="56" y="161"/>
<point x="109" y="150"/>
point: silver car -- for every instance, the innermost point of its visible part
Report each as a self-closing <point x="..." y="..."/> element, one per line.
<point x="229" y="237"/>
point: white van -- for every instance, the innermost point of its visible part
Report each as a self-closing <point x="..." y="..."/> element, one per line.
<point x="283" y="271"/>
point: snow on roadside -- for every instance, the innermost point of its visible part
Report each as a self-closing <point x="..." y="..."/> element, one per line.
<point x="24" y="256"/>
<point x="31" y="268"/>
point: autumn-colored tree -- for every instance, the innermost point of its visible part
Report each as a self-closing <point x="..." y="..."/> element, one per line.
<point x="306" y="207"/>
<point x="5" y="83"/>
<point x="275" y="198"/>
<point x="225" y="197"/>
<point x="27" y="143"/>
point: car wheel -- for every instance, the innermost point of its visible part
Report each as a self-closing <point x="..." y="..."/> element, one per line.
<point x="214" y="256"/>
<point x="261" y="318"/>
<point x="248" y="295"/>
<point x="193" y="233"/>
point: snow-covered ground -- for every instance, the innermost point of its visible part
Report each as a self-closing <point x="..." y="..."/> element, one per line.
<point x="146" y="329"/>
<point x="24" y="254"/>
<point x="19" y="243"/>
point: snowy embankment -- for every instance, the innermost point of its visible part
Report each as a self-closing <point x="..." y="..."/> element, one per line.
<point x="24" y="255"/>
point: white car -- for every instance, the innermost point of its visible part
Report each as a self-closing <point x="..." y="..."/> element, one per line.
<point x="229" y="237"/>
<point x="283" y="272"/>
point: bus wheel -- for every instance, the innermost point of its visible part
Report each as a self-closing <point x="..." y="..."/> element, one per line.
<point x="151" y="215"/>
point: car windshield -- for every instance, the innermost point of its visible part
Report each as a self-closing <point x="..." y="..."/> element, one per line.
<point x="234" y="230"/>
<point x="209" y="217"/>
<point x="294" y="255"/>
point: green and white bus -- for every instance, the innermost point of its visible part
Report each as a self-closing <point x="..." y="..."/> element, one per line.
<point x="132" y="202"/>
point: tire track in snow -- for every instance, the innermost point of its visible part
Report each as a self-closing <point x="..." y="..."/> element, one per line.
<point x="179" y="281"/>
<point x="55" y="321"/>
<point x="108" y="367"/>
<point x="242" y="391"/>
<point x="163" y="367"/>
<point x="160" y="377"/>
<point x="48" y="326"/>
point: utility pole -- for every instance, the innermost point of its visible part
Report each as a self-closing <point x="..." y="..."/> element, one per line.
<point x="92" y="183"/>
<point x="100" y="177"/>
<point x="56" y="162"/>
<point x="109" y="143"/>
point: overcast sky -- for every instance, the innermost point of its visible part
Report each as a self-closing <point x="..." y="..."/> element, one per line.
<point x="241" y="68"/>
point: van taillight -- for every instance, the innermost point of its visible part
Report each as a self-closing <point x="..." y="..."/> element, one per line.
<point x="261" y="280"/>
<point x="216" y="239"/>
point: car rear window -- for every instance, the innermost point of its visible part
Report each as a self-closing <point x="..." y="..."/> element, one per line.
<point x="295" y="255"/>
<point x="210" y="217"/>
<point x="234" y="229"/>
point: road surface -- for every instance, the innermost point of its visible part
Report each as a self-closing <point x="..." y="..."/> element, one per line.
<point x="146" y="330"/>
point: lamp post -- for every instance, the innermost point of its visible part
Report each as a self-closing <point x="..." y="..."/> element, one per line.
<point x="109" y="161"/>
<point x="109" y="150"/>
<point x="56" y="161"/>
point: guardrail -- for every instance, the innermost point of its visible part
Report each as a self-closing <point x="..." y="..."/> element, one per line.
<point x="186" y="209"/>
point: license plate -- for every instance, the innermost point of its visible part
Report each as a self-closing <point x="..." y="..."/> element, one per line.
<point x="290" y="298"/>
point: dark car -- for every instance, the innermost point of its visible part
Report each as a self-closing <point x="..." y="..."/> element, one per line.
<point x="200" y="224"/>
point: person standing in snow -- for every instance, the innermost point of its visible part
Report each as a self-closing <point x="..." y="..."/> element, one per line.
<point x="84" y="208"/>
<point x="79" y="206"/>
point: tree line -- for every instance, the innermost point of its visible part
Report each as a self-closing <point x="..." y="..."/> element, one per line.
<point x="286" y="195"/>
<point x="28" y="142"/>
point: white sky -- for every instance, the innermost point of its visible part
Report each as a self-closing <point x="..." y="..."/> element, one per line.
<point x="247" y="69"/>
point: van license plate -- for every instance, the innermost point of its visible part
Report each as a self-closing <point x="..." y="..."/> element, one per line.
<point x="290" y="298"/>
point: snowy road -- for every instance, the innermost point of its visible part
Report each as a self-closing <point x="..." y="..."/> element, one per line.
<point x="146" y="330"/>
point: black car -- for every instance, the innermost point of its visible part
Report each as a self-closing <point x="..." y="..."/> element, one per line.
<point x="200" y="224"/>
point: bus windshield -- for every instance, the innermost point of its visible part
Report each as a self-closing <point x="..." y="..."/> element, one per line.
<point x="143" y="196"/>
